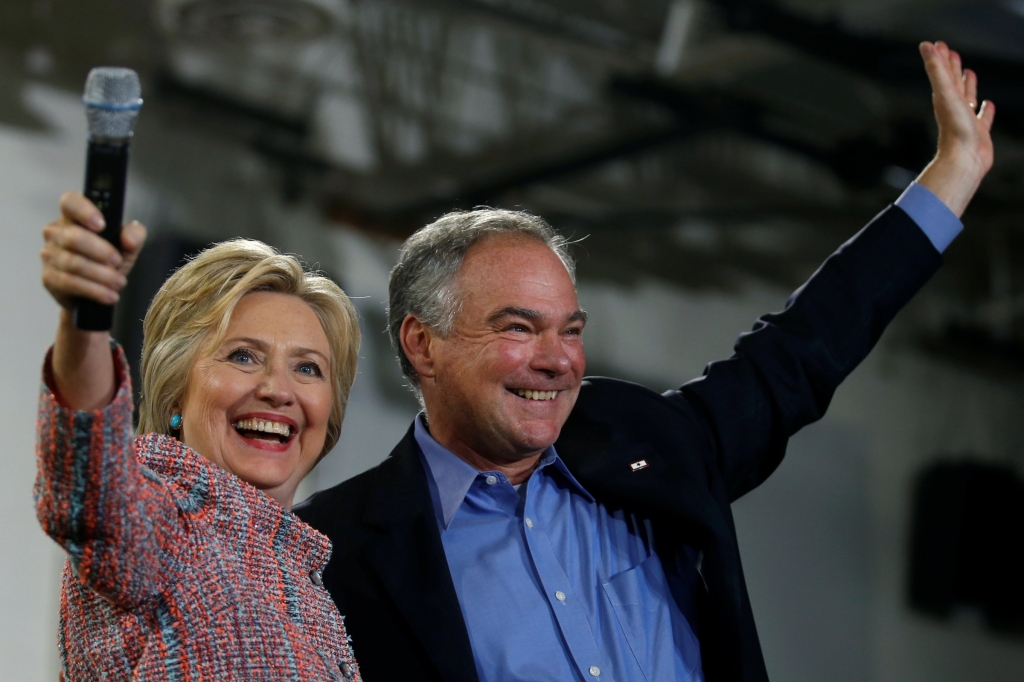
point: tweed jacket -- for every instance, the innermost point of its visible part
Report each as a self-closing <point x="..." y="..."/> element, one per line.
<point x="177" y="569"/>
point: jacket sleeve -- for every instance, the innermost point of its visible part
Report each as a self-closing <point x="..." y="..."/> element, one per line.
<point x="784" y="372"/>
<point x="113" y="516"/>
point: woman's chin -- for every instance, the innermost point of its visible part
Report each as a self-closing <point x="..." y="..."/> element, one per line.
<point x="263" y="472"/>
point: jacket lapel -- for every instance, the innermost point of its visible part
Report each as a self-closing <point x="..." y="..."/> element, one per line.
<point x="409" y="559"/>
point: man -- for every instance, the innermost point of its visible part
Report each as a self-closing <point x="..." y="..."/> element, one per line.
<point x="533" y="525"/>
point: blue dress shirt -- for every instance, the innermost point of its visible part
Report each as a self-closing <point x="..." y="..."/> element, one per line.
<point x="934" y="218"/>
<point x="553" y="585"/>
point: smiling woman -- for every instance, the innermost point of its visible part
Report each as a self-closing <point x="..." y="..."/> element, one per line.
<point x="184" y="559"/>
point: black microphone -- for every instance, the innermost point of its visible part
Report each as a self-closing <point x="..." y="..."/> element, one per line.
<point x="112" y="101"/>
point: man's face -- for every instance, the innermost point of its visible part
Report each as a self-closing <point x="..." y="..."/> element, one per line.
<point x="504" y="382"/>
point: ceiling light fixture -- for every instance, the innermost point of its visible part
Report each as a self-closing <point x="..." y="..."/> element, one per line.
<point x="249" y="21"/>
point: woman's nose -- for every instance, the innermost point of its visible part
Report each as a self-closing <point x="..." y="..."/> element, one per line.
<point x="275" y="386"/>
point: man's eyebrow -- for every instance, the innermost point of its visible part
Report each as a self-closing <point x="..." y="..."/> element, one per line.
<point x="579" y="316"/>
<point x="513" y="311"/>
<point x="529" y="314"/>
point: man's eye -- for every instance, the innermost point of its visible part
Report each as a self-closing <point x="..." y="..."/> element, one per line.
<point x="310" y="369"/>
<point x="518" y="328"/>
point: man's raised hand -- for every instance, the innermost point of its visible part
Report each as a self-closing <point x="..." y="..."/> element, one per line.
<point x="965" y="151"/>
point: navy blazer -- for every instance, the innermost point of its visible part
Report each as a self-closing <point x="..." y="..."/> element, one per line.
<point x="705" y="444"/>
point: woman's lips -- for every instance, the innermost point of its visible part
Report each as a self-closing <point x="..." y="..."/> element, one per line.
<point x="275" y="426"/>
<point x="266" y="444"/>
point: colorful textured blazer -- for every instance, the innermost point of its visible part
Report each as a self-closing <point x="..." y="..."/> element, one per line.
<point x="177" y="569"/>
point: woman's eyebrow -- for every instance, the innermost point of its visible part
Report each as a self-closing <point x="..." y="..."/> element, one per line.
<point x="261" y="345"/>
<point x="310" y="351"/>
<point x="247" y="340"/>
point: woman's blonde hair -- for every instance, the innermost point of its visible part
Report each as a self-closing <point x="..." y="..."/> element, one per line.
<point x="189" y="317"/>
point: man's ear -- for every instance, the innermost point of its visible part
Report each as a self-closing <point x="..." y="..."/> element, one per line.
<point x="416" y="340"/>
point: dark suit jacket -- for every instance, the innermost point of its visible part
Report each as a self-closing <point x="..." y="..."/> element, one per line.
<point x="706" y="444"/>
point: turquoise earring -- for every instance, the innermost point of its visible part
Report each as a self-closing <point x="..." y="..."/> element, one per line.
<point x="175" y="421"/>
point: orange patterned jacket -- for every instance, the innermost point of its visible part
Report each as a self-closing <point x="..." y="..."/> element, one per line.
<point x="177" y="569"/>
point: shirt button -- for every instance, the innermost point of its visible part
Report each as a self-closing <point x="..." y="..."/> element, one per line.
<point x="594" y="670"/>
<point x="491" y="480"/>
<point x="529" y="522"/>
<point x="560" y="596"/>
<point x="317" y="578"/>
<point x="346" y="670"/>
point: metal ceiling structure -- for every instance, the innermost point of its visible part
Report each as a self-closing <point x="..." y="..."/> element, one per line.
<point x="692" y="139"/>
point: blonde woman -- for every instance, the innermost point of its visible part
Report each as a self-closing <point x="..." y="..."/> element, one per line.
<point x="184" y="559"/>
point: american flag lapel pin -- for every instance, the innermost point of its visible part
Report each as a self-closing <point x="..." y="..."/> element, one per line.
<point x="638" y="465"/>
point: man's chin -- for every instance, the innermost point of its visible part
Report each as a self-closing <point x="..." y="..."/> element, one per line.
<point x="534" y="436"/>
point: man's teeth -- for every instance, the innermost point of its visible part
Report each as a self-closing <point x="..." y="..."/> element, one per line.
<point x="264" y="425"/>
<point x="536" y="395"/>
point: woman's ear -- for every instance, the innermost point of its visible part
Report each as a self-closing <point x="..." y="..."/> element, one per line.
<point x="416" y="340"/>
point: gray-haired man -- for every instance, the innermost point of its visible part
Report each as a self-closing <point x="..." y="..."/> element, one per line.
<point x="535" y="526"/>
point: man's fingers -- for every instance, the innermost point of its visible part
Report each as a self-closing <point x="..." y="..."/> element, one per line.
<point x="971" y="88"/>
<point x="77" y="209"/>
<point x="956" y="69"/>
<point x="987" y="114"/>
<point x="936" y="65"/>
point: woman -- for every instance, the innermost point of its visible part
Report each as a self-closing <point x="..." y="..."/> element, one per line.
<point x="184" y="559"/>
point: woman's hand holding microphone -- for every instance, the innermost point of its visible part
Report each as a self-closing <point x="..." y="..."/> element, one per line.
<point x="78" y="263"/>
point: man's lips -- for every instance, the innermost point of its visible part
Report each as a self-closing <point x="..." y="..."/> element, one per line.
<point x="538" y="395"/>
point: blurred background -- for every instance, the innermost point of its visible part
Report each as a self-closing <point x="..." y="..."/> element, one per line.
<point x="708" y="154"/>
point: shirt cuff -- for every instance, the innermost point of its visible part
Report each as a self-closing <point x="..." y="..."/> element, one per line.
<point x="934" y="218"/>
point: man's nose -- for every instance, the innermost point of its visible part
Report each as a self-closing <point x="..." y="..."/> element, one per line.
<point x="550" y="355"/>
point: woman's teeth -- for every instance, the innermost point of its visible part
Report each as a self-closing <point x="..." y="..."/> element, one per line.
<point x="536" y="395"/>
<point x="278" y="428"/>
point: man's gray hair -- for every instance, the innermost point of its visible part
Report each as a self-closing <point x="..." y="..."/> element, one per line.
<point x="423" y="284"/>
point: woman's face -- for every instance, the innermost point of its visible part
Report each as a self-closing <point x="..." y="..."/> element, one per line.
<point x="258" y="405"/>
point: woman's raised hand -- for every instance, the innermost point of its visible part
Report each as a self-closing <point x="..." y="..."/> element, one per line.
<point x="78" y="262"/>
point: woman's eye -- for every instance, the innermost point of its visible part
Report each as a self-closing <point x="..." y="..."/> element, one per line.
<point x="241" y="356"/>
<point x="310" y="369"/>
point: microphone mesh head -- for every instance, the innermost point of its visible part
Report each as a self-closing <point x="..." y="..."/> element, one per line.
<point x="112" y="100"/>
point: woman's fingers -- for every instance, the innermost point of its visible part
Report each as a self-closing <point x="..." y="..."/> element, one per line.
<point x="78" y="262"/>
<point x="75" y="264"/>
<point x="66" y="286"/>
<point x="75" y="238"/>
<point x="133" y="236"/>
<point x="77" y="209"/>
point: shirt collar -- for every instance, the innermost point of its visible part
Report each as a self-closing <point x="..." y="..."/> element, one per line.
<point x="453" y="476"/>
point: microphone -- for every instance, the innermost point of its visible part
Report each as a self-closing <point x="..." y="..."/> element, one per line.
<point x="112" y="100"/>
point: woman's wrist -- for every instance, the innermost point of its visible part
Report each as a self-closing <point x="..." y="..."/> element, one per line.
<point x="83" y="366"/>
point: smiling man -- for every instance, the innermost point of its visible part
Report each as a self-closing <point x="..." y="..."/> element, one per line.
<point x="535" y="525"/>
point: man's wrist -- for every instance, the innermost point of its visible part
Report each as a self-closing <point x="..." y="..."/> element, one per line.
<point x="953" y="176"/>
